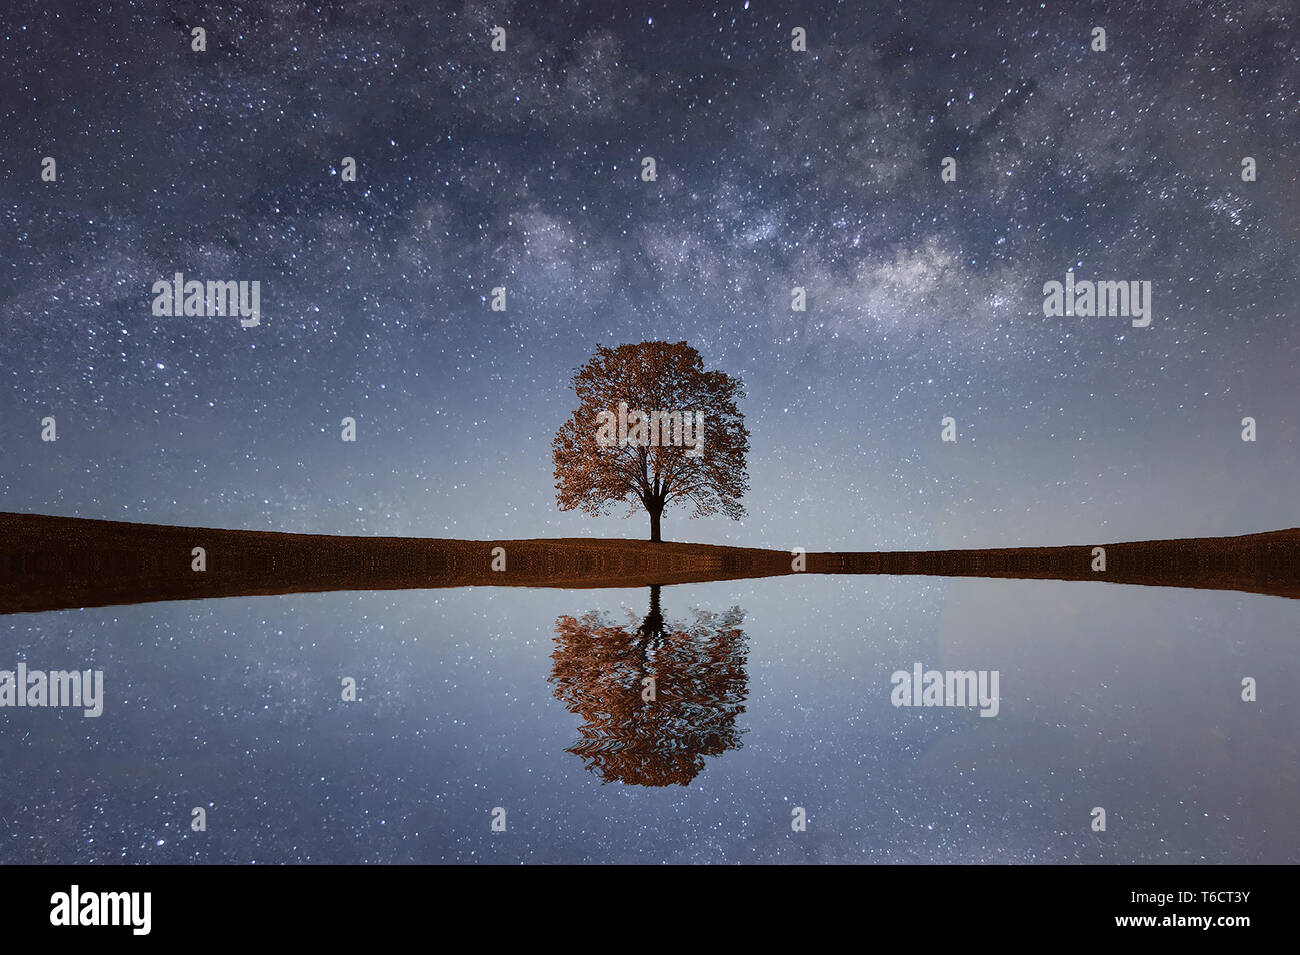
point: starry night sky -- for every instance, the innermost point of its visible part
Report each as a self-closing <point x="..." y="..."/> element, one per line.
<point x="776" y="169"/>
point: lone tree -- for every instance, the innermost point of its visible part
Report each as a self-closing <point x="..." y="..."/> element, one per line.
<point x="636" y="435"/>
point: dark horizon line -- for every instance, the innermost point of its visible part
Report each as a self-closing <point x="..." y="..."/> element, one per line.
<point x="58" y="563"/>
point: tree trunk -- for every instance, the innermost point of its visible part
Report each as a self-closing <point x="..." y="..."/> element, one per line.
<point x="655" y="513"/>
<point x="652" y="627"/>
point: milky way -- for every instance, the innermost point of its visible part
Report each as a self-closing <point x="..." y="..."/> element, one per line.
<point x="776" y="169"/>
<point x="521" y="169"/>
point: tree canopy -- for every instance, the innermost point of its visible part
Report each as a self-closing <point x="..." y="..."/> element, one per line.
<point x="653" y="463"/>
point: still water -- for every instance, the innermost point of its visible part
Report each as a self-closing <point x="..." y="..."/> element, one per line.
<point x="770" y="695"/>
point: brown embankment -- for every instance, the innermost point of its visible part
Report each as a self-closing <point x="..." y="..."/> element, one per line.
<point x="51" y="563"/>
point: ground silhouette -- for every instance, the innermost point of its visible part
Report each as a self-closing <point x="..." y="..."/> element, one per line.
<point x="53" y="563"/>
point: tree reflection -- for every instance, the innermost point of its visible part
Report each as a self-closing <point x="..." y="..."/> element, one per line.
<point x="654" y="700"/>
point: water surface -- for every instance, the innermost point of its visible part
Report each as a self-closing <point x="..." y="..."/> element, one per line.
<point x="772" y="694"/>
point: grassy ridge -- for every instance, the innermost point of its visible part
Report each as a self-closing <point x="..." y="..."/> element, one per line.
<point x="51" y="563"/>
